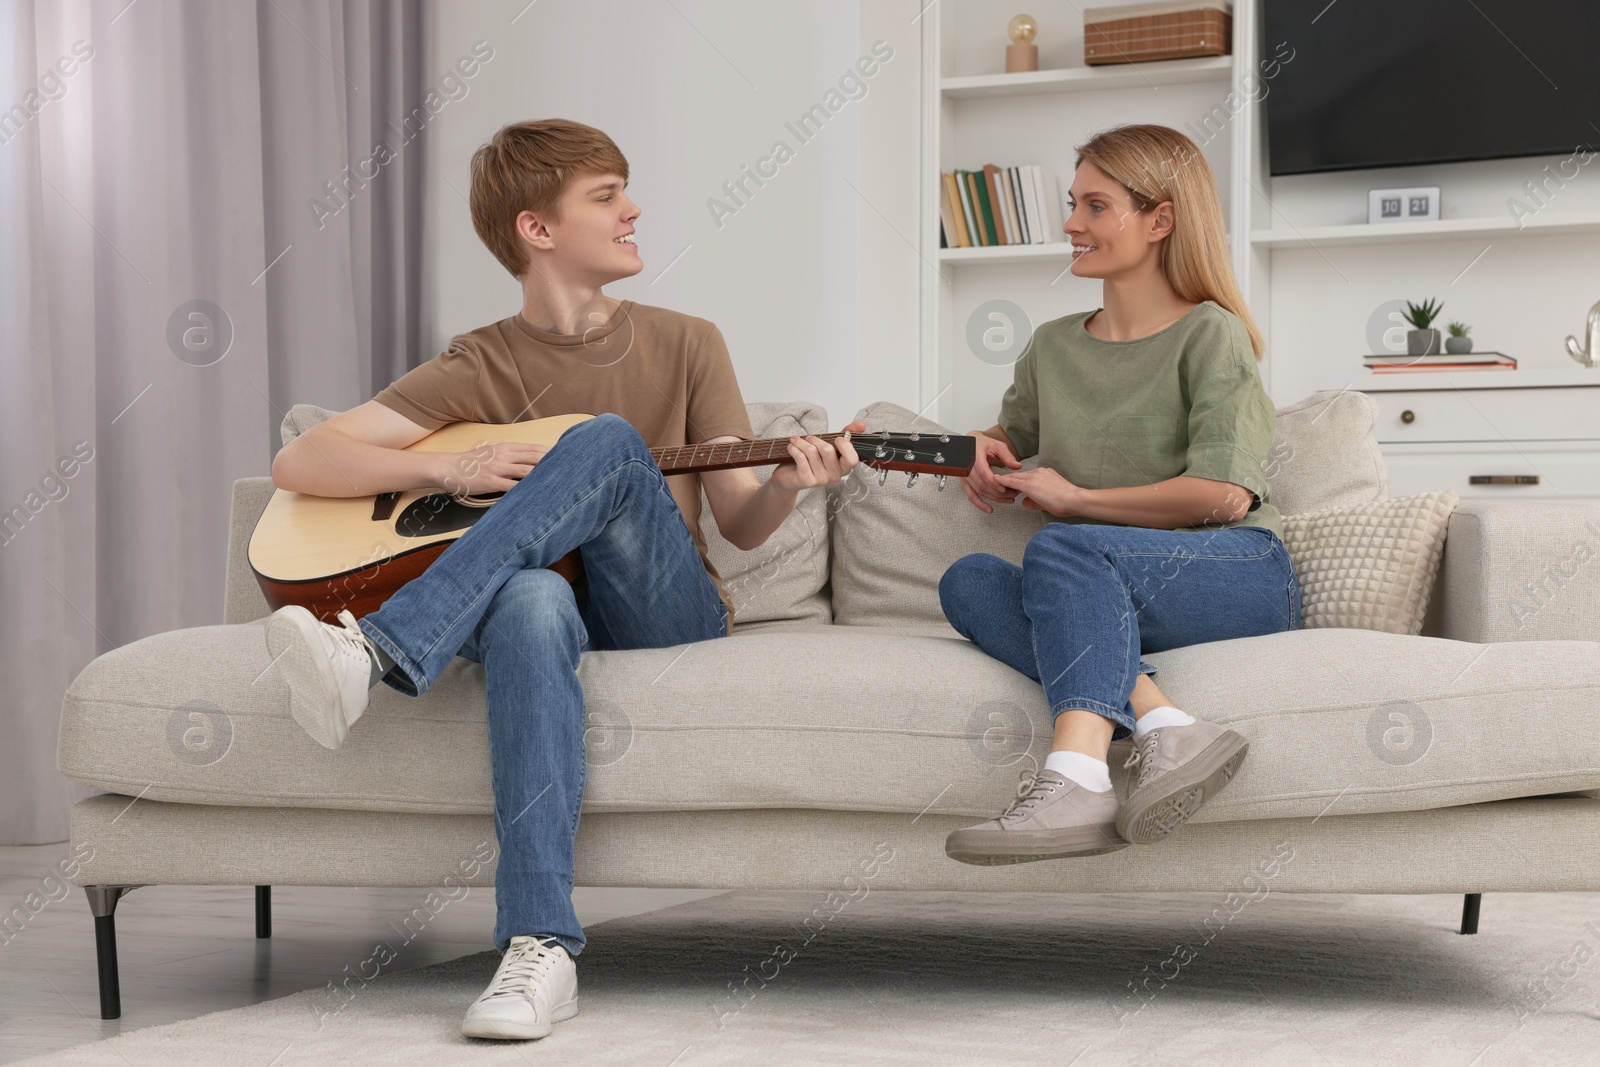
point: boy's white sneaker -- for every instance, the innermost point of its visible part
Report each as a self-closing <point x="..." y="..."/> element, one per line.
<point x="535" y="988"/>
<point x="328" y="670"/>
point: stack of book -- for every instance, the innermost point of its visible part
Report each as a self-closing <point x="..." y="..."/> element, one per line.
<point x="1392" y="363"/>
<point x="1000" y="206"/>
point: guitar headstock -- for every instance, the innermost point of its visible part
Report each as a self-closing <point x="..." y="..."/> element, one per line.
<point x="940" y="454"/>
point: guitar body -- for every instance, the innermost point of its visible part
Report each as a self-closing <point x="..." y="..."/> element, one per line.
<point x="329" y="554"/>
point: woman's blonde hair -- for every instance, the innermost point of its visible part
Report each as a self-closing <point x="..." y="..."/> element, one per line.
<point x="1156" y="163"/>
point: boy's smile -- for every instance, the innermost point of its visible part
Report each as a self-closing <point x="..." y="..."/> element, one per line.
<point x="596" y="230"/>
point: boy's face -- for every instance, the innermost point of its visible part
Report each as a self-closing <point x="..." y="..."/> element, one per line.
<point x="593" y="242"/>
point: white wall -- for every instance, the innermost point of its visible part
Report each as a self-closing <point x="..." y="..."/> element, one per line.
<point x="813" y="280"/>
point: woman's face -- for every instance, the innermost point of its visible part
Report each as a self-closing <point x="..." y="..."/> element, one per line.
<point x="1109" y="237"/>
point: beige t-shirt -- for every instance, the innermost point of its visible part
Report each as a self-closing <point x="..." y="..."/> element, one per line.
<point x="666" y="373"/>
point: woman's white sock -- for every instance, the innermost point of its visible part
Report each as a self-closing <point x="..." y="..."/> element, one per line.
<point x="1156" y="718"/>
<point x="1087" y="771"/>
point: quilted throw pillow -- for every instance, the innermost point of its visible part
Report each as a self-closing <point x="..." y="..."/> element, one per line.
<point x="1370" y="566"/>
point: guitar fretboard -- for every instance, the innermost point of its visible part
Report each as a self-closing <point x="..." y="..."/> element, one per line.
<point x="727" y="454"/>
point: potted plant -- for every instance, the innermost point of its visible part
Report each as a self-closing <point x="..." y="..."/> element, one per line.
<point x="1458" y="343"/>
<point x="1422" y="339"/>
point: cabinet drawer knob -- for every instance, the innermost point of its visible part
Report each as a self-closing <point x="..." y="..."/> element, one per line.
<point x="1502" y="479"/>
<point x="1408" y="416"/>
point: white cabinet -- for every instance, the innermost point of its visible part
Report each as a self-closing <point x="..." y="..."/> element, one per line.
<point x="1535" y="438"/>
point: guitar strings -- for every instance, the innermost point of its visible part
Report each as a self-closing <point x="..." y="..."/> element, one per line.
<point x="776" y="448"/>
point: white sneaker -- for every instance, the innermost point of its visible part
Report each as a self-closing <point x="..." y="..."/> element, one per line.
<point x="327" y="667"/>
<point x="535" y="987"/>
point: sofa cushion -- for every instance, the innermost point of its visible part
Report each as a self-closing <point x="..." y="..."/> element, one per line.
<point x="855" y="719"/>
<point x="1325" y="455"/>
<point x="1370" y="566"/>
<point x="300" y="418"/>
<point x="783" y="580"/>
<point x="892" y="542"/>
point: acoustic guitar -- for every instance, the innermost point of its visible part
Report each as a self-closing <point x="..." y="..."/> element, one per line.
<point x="328" y="554"/>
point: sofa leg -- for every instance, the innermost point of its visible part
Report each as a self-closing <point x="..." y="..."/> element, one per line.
<point x="1469" y="913"/>
<point x="103" y="905"/>
<point x="263" y="911"/>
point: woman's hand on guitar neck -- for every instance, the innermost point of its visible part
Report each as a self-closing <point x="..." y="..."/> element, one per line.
<point x="492" y="467"/>
<point x="982" y="487"/>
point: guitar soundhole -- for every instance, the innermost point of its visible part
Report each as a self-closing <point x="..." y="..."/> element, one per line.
<point x="438" y="513"/>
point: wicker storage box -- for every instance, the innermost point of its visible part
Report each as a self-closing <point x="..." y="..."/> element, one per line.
<point x="1171" y="29"/>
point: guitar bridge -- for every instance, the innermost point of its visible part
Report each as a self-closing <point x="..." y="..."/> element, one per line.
<point x="383" y="506"/>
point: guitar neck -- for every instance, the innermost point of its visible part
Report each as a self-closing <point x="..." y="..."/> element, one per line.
<point x="693" y="459"/>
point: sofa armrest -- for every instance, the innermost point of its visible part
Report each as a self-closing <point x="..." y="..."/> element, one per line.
<point x="1519" y="571"/>
<point x="242" y="600"/>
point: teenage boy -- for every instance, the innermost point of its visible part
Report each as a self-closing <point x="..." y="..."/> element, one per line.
<point x="548" y="200"/>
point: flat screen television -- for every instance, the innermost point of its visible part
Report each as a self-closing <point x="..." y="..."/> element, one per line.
<point x="1386" y="83"/>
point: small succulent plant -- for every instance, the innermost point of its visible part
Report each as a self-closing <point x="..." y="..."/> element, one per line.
<point x="1421" y="316"/>
<point x="1459" y="329"/>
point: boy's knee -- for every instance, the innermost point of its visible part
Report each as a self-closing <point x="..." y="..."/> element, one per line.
<point x="610" y="430"/>
<point x="535" y="603"/>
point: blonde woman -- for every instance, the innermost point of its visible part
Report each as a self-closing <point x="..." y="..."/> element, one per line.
<point x="1152" y="431"/>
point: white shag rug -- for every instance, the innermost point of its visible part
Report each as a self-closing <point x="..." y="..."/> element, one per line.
<point x="959" y="978"/>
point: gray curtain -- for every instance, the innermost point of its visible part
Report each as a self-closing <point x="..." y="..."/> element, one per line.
<point x="196" y="232"/>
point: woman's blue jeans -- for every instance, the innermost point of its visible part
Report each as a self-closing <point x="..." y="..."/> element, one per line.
<point x="1090" y="598"/>
<point x="490" y="597"/>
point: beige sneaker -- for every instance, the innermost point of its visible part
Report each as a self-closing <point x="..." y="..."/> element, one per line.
<point x="1179" y="769"/>
<point x="1052" y="817"/>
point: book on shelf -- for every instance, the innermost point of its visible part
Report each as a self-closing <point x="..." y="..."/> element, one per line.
<point x="954" y="228"/>
<point x="1438" y="361"/>
<point x="982" y="210"/>
<point x="1000" y="206"/>
<point x="972" y="209"/>
<point x="1434" y="357"/>
<point x="997" y="200"/>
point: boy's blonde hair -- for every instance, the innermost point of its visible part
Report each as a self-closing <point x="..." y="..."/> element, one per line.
<point x="1156" y="163"/>
<point x="525" y="167"/>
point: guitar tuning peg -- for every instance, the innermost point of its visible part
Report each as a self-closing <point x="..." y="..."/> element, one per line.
<point x="938" y="480"/>
<point x="883" y="475"/>
<point x="911" y="479"/>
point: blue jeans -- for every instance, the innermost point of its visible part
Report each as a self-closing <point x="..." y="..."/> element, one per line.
<point x="1089" y="598"/>
<point x="489" y="597"/>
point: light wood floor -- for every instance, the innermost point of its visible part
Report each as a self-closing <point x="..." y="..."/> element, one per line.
<point x="189" y="950"/>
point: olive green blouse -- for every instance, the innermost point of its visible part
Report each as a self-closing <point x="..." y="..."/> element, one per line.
<point x="1186" y="400"/>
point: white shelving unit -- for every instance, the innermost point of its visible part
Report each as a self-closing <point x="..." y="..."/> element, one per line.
<point x="1315" y="276"/>
<point x="1061" y="250"/>
<point x="1414" y="232"/>
<point x="1094" y="79"/>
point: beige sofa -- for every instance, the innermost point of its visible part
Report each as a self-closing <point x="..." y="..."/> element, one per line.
<point x="845" y="727"/>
